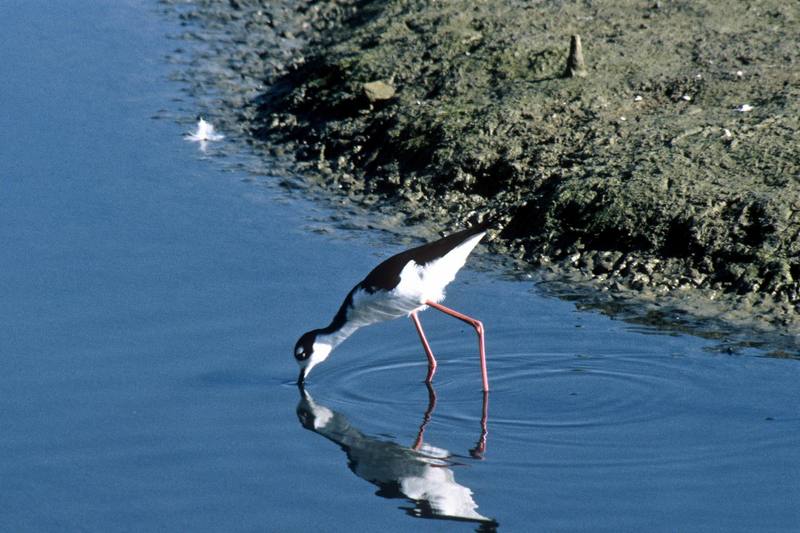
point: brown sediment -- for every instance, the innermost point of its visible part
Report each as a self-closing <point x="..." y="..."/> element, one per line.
<point x="641" y="181"/>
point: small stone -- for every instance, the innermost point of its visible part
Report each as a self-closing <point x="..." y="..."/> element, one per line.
<point x="744" y="108"/>
<point x="640" y="281"/>
<point x="606" y="260"/>
<point x="378" y="90"/>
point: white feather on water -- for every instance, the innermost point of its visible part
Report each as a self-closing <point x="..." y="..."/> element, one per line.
<point x="205" y="132"/>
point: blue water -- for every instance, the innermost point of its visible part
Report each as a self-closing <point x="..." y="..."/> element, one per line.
<point x="151" y="298"/>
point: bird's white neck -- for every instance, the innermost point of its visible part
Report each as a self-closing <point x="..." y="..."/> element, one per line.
<point x="326" y="340"/>
<point x="336" y="337"/>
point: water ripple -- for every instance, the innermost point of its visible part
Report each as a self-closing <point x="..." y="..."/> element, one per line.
<point x="559" y="409"/>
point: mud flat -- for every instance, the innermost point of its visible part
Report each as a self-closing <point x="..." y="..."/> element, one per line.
<point x="663" y="171"/>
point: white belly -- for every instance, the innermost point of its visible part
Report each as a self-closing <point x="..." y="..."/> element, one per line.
<point x="369" y="308"/>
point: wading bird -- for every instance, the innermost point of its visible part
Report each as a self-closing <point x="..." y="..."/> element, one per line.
<point x="402" y="285"/>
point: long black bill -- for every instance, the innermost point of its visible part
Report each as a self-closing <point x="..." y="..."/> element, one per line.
<point x="301" y="379"/>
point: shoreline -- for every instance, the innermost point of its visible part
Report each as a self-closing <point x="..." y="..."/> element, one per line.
<point x="686" y="204"/>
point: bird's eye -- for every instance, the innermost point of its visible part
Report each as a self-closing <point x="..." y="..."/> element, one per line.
<point x="300" y="354"/>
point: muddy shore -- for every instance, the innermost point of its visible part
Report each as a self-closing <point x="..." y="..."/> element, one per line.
<point x="667" y="176"/>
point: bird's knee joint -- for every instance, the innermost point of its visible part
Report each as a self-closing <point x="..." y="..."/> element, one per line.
<point x="478" y="326"/>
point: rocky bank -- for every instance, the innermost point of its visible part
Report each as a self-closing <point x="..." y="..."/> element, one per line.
<point x="667" y="174"/>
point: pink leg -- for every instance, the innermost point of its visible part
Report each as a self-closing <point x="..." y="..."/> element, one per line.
<point x="480" y="446"/>
<point x="428" y="352"/>
<point x="478" y="325"/>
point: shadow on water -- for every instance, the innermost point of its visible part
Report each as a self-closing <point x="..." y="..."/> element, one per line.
<point x="700" y="319"/>
<point x="420" y="473"/>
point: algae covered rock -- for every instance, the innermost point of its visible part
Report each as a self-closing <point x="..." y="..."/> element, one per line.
<point x="376" y="91"/>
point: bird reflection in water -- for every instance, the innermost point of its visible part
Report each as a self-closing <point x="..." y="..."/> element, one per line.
<point x="421" y="473"/>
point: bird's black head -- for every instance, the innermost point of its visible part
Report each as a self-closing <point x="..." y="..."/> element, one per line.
<point x="304" y="348"/>
<point x="309" y="351"/>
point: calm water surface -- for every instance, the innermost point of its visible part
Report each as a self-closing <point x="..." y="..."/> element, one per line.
<point x="150" y="302"/>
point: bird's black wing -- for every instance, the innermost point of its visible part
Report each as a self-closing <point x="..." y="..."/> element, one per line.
<point x="386" y="275"/>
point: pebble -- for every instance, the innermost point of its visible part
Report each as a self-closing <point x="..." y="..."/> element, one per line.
<point x="378" y="90"/>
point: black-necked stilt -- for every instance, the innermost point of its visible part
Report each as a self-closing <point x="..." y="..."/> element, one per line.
<point x="403" y="285"/>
